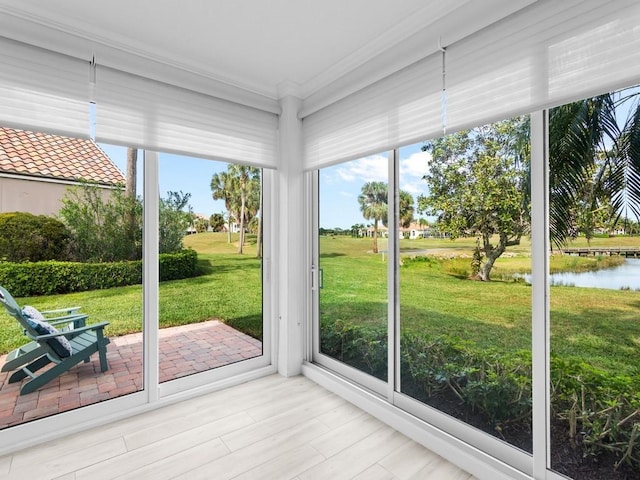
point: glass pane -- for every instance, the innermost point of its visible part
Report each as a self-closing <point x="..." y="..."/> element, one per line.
<point x="465" y="310"/>
<point x="210" y="265"/>
<point x="594" y="286"/>
<point x="353" y="263"/>
<point x="70" y="235"/>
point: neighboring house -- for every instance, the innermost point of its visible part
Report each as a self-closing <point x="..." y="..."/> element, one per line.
<point x="37" y="168"/>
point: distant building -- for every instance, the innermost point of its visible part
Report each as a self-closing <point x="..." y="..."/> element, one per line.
<point x="37" y="168"/>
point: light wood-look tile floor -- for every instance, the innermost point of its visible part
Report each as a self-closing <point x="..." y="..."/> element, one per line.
<point x="272" y="428"/>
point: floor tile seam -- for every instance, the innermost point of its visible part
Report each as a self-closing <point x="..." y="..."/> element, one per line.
<point x="183" y="473"/>
<point x="192" y="416"/>
<point x="282" y="453"/>
<point x="303" y="444"/>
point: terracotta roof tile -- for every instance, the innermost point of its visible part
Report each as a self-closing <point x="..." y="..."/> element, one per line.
<point x="53" y="156"/>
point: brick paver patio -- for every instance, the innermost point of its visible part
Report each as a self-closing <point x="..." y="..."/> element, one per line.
<point x="184" y="350"/>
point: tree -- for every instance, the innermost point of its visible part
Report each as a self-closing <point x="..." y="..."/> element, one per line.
<point x="132" y="172"/>
<point x="406" y="209"/>
<point x="223" y="187"/>
<point x="216" y="221"/>
<point x="175" y="216"/>
<point x="478" y="186"/>
<point x="239" y="187"/>
<point x="373" y="205"/>
<point x="594" y="162"/>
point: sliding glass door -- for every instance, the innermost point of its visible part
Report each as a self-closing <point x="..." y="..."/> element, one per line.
<point x="353" y="251"/>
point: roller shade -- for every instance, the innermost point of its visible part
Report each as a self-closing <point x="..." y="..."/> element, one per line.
<point x="136" y="111"/>
<point x="546" y="54"/>
<point x="43" y="91"/>
<point x="400" y="109"/>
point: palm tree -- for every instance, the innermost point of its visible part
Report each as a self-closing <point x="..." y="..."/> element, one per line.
<point x="246" y="178"/>
<point x="224" y="187"/>
<point x="373" y="205"/>
<point x="406" y="208"/>
<point x="594" y="160"/>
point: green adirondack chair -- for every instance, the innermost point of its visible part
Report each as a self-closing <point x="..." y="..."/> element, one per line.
<point x="82" y="340"/>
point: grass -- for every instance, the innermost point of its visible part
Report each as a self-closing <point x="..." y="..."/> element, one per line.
<point x="230" y="290"/>
<point x="598" y="326"/>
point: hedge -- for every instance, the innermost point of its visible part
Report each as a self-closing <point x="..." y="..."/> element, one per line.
<point x="51" y="277"/>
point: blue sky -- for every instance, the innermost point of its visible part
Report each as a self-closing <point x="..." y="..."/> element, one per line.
<point x="340" y="184"/>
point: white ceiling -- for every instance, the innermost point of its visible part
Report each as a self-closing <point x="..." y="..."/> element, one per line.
<point x="263" y="45"/>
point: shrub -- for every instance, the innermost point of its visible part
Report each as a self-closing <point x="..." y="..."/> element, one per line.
<point x="29" y="238"/>
<point x="51" y="277"/>
<point x="183" y="264"/>
<point x="105" y="226"/>
<point x="600" y="411"/>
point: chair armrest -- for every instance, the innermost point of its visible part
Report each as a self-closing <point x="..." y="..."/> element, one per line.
<point x="73" y="333"/>
<point x="79" y="320"/>
<point x="64" y="311"/>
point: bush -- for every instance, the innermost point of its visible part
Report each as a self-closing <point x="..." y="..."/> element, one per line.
<point x="600" y="411"/>
<point x="105" y="226"/>
<point x="48" y="278"/>
<point x="174" y="266"/>
<point x="29" y="238"/>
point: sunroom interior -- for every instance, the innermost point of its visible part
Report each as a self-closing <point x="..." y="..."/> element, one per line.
<point x="294" y="88"/>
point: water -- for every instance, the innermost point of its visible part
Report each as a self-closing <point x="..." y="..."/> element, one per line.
<point x="625" y="276"/>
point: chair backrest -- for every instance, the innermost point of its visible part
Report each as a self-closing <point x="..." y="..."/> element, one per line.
<point x="15" y="311"/>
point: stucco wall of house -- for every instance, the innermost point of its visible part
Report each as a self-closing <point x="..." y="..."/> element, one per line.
<point x="34" y="196"/>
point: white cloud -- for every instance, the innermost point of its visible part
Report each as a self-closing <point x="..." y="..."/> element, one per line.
<point x="369" y="169"/>
<point x="416" y="165"/>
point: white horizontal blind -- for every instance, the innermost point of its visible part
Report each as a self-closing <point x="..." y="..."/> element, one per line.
<point x="139" y="112"/>
<point x="401" y="109"/>
<point x="42" y="90"/>
<point x="548" y="54"/>
<point x="544" y="55"/>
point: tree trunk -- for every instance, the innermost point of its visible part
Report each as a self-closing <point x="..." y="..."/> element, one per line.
<point x="132" y="172"/>
<point x="375" y="236"/>
<point x="241" y="239"/>
<point x="493" y="253"/>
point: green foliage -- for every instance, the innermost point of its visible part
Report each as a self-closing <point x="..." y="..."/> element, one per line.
<point x="478" y="185"/>
<point x="51" y="277"/>
<point x="594" y="163"/>
<point x="107" y="226"/>
<point x="600" y="411"/>
<point x="240" y="188"/>
<point x="217" y="222"/>
<point x="173" y="221"/>
<point x="183" y="264"/>
<point x="29" y="238"/>
<point x="104" y="226"/>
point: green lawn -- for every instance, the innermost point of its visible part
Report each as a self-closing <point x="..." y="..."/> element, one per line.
<point x="600" y="326"/>
<point x="230" y="290"/>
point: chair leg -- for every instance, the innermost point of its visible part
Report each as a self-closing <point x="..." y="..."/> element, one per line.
<point x="28" y="370"/>
<point x="102" y="353"/>
<point x="102" y="350"/>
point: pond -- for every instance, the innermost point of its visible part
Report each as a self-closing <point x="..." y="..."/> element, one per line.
<point x="625" y="276"/>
